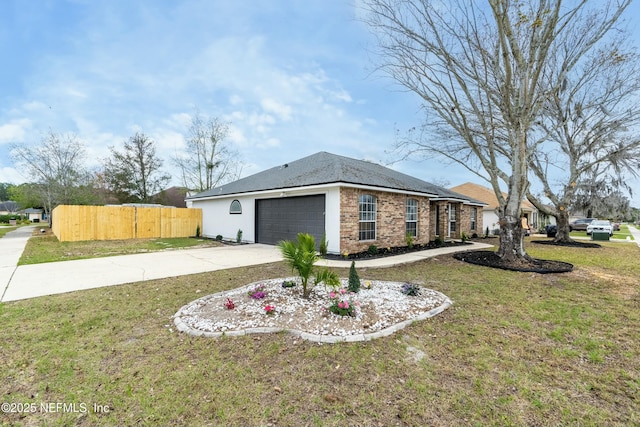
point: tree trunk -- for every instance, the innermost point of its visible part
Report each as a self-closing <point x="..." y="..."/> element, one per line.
<point x="511" y="238"/>
<point x="562" y="227"/>
<point x="510" y="212"/>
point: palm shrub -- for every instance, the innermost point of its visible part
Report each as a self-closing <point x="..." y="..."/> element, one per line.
<point x="354" y="280"/>
<point x="301" y="256"/>
<point x="323" y="245"/>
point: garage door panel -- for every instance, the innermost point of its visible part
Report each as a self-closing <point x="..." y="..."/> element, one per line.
<point x="283" y="218"/>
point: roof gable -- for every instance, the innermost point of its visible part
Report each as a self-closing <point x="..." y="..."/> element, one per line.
<point x="326" y="168"/>
<point x="486" y="195"/>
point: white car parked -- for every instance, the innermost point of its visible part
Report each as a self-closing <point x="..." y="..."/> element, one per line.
<point x="601" y="226"/>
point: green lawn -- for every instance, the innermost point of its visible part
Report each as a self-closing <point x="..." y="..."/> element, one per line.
<point x="5" y="230"/>
<point x="47" y="248"/>
<point x="515" y="349"/>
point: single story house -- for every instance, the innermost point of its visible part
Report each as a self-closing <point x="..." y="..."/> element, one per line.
<point x="530" y="215"/>
<point x="35" y="215"/>
<point x="353" y="203"/>
<point x="8" y="208"/>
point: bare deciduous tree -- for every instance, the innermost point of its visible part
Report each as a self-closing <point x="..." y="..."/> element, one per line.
<point x="56" y="165"/>
<point x="483" y="73"/>
<point x="207" y="162"/>
<point x="587" y="138"/>
<point x="134" y="174"/>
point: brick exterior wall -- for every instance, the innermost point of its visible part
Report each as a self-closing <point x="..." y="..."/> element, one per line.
<point x="442" y="224"/>
<point x="390" y="221"/>
<point x="466" y="218"/>
<point x="463" y="221"/>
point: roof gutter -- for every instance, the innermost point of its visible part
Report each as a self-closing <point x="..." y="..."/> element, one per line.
<point x="316" y="188"/>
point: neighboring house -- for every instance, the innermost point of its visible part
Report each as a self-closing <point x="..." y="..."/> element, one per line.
<point x="354" y="203"/>
<point x="173" y="196"/>
<point x="490" y="210"/>
<point x="8" y="208"/>
<point x="35" y="215"/>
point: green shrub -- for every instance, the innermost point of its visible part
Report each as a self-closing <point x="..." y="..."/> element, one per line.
<point x="464" y="237"/>
<point x="372" y="250"/>
<point x="323" y="245"/>
<point x="239" y="236"/>
<point x="354" y="280"/>
<point x="438" y="241"/>
<point x="219" y="237"/>
<point x="198" y="231"/>
<point x="6" y="218"/>
<point x="409" y="238"/>
<point x="486" y="232"/>
<point x="411" y="289"/>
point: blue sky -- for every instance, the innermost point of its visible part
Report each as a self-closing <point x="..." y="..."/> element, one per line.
<point x="293" y="78"/>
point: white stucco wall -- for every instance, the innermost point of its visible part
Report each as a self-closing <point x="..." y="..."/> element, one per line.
<point x="489" y="219"/>
<point x="216" y="219"/>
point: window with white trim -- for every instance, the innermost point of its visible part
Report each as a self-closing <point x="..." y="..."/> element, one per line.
<point x="411" y="227"/>
<point x="474" y="218"/>
<point x="453" y="216"/>
<point x="367" y="207"/>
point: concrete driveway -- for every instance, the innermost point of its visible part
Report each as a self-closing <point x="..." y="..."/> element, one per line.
<point x="28" y="281"/>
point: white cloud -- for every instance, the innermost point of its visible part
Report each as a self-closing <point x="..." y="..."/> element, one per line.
<point x="272" y="106"/>
<point x="14" y="131"/>
<point x="11" y="175"/>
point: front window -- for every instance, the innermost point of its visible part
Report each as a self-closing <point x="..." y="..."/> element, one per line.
<point x="474" y="218"/>
<point x="367" y="212"/>
<point x="412" y="218"/>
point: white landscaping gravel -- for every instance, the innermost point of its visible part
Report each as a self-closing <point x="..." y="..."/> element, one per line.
<point x="381" y="309"/>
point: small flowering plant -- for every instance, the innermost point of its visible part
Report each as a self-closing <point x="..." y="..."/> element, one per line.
<point x="288" y="284"/>
<point x="229" y="304"/>
<point x="411" y="289"/>
<point x="270" y="309"/>
<point x="258" y="292"/>
<point x="341" y="304"/>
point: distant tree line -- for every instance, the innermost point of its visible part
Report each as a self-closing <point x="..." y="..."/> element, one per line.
<point x="132" y="173"/>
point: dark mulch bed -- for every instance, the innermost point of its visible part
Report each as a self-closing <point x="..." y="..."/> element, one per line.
<point x="572" y="244"/>
<point x="491" y="259"/>
<point x="399" y="250"/>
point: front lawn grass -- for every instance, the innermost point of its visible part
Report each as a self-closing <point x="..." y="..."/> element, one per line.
<point x="515" y="349"/>
<point x="47" y="248"/>
<point x="4" y="230"/>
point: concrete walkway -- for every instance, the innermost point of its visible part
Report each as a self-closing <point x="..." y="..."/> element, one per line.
<point x="635" y="233"/>
<point x="29" y="281"/>
<point x="11" y="248"/>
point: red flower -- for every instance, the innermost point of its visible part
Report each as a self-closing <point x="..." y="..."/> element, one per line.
<point x="229" y="304"/>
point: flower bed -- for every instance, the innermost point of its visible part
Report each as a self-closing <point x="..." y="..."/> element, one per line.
<point x="378" y="309"/>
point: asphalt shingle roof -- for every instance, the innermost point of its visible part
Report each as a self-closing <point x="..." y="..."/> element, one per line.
<point x="326" y="168"/>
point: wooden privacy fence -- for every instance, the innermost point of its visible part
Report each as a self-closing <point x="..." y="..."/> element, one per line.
<point x="74" y="223"/>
